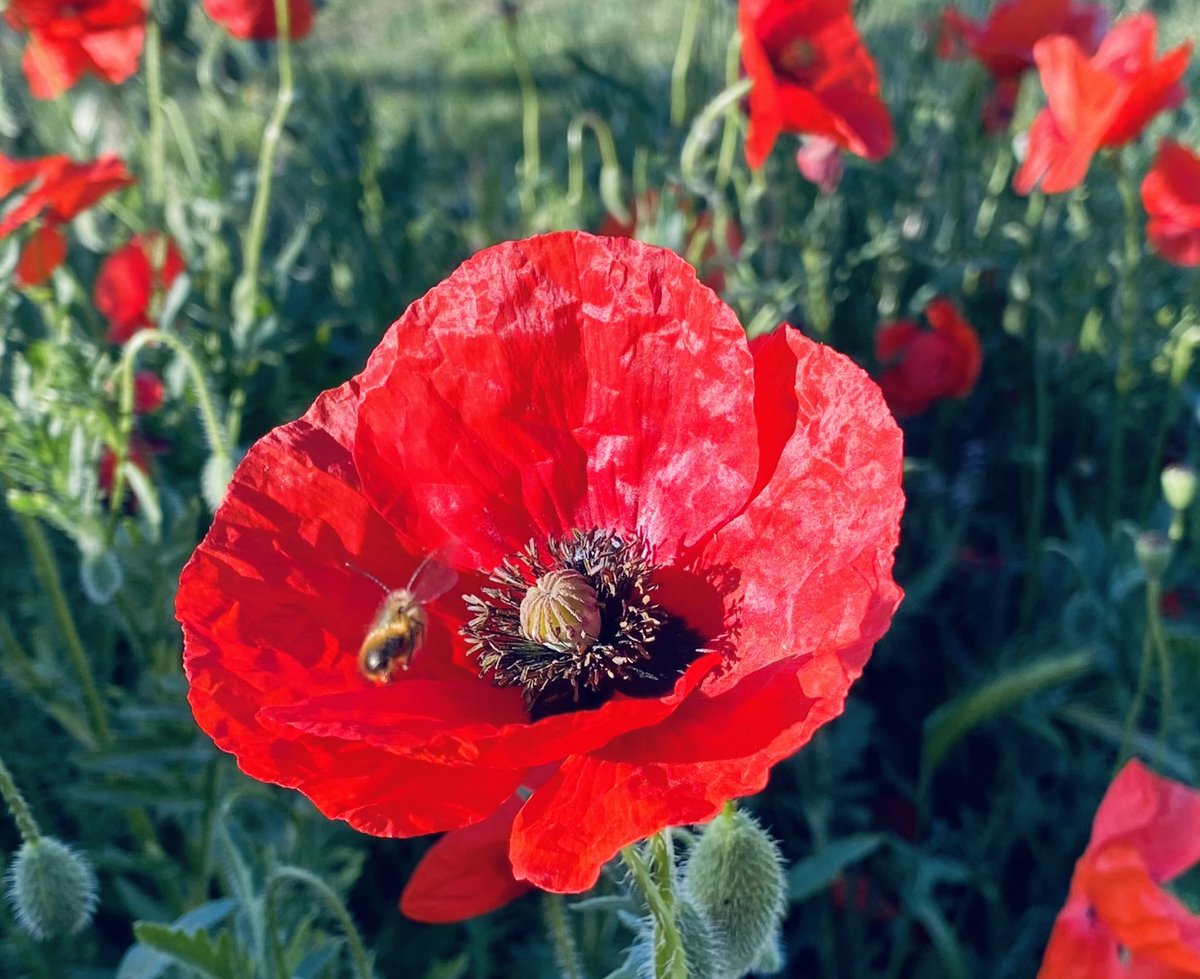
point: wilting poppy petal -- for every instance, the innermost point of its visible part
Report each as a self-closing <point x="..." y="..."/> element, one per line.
<point x="583" y="392"/>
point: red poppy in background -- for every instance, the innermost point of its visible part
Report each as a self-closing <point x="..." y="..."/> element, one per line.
<point x="565" y="405"/>
<point x="255" y="19"/>
<point x="1118" y="922"/>
<point x="59" y="189"/>
<point x="1003" y="43"/>
<point x="922" y="366"/>
<point x="1171" y="195"/>
<point x="148" y="392"/>
<point x="69" y="38"/>
<point x="812" y="74"/>
<point x="643" y="216"/>
<point x="1099" y="102"/>
<point x="126" y="284"/>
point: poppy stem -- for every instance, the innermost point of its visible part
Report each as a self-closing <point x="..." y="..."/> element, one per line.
<point x="729" y="137"/>
<point x="530" y="118"/>
<point x="683" y="60"/>
<point x="46" y="570"/>
<point x="566" y="952"/>
<point x="245" y="291"/>
<point x="670" y="961"/>
<point x="354" y="942"/>
<point x="18" y="808"/>
<point x="1128" y="306"/>
<point x="1158" y="639"/>
<point x="1139" y="697"/>
<point x="156" y="172"/>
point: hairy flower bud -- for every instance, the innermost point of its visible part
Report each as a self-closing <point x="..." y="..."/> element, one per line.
<point x="734" y="877"/>
<point x="561" y="610"/>
<point x="51" y="888"/>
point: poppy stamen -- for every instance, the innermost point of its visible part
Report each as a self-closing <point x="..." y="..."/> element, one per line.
<point x="574" y="622"/>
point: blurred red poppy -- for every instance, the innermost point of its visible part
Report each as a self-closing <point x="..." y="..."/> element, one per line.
<point x="42" y="253"/>
<point x="812" y="74"/>
<point x="922" y="366"/>
<point x="1003" y="41"/>
<point x="126" y="284"/>
<point x="148" y="392"/>
<point x="106" y="470"/>
<point x="255" y="19"/>
<point x="1171" y="195"/>
<point x="69" y="38"/>
<point x="563" y="408"/>
<point x="59" y="189"/>
<point x="1099" y="102"/>
<point x="697" y="233"/>
<point x="1118" y="922"/>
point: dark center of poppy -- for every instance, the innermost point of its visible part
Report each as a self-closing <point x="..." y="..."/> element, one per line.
<point x="575" y="621"/>
<point x="797" y="61"/>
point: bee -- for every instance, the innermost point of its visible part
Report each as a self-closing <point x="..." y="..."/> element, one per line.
<point x="398" y="629"/>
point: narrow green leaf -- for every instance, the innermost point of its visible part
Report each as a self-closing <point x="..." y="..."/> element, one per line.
<point x="813" y="874"/>
<point x="947" y="725"/>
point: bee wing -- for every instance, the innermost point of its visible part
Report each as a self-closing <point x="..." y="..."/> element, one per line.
<point x="431" y="580"/>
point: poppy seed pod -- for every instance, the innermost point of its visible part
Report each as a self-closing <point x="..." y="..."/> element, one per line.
<point x="51" y="888"/>
<point x="735" y="878"/>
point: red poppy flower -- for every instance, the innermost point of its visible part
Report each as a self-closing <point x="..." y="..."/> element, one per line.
<point x="812" y="74"/>
<point x="1097" y="102"/>
<point x="148" y="392"/>
<point x="69" y="38"/>
<point x="643" y="215"/>
<point x="106" y="470"/>
<point x="255" y="19"/>
<point x="1003" y="41"/>
<point x="925" y="365"/>
<point x="59" y="189"/>
<point x="1171" y="195"/>
<point x="125" y="283"/>
<point x="42" y="253"/>
<point x="581" y="431"/>
<point x="1118" y="922"/>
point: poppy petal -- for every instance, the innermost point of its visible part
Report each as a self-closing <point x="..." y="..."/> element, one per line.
<point x="41" y="255"/>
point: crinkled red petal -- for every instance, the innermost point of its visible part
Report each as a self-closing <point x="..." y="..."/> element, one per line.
<point x="559" y="383"/>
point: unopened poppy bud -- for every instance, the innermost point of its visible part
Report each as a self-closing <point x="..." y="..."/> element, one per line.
<point x="561" y="610"/>
<point x="51" y="888"/>
<point x="1153" y="552"/>
<point x="1179" y="486"/>
<point x="770" y="960"/>
<point x="705" y="954"/>
<point x="214" y="479"/>
<point x="734" y="877"/>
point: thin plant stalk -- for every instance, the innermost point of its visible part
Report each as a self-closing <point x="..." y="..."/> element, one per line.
<point x="46" y="570"/>
<point x="1139" y="698"/>
<point x="657" y="888"/>
<point x="566" y="951"/>
<point x="683" y="60"/>
<point x="530" y="118"/>
<point x="354" y="942"/>
<point x="246" y="300"/>
<point x="1162" y="651"/>
<point x="1127" y="298"/>
<point x="18" y="808"/>
<point x="156" y="171"/>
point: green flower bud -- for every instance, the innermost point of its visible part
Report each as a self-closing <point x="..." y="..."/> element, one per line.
<point x="214" y="479"/>
<point x="705" y="956"/>
<point x="770" y="960"/>
<point x="1179" y="486"/>
<point x="51" y="888"/>
<point x="734" y="877"/>
<point x="1153" y="552"/>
